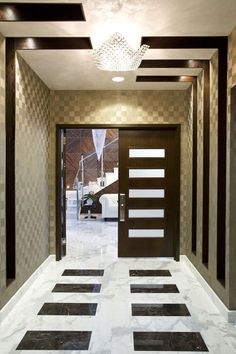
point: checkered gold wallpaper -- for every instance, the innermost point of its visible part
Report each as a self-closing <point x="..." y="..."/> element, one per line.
<point x="120" y="107"/>
<point x="32" y="201"/>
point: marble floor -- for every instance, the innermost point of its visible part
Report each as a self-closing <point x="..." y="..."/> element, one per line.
<point x="93" y="302"/>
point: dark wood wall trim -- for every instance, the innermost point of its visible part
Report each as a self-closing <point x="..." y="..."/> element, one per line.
<point x="13" y="12"/>
<point x="10" y="161"/>
<point x="177" y="239"/>
<point x="222" y="157"/>
<point x="194" y="169"/>
<point x="58" y="195"/>
<point x="206" y="165"/>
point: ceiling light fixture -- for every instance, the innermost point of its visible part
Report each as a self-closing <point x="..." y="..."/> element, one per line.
<point x="115" y="54"/>
<point x="118" y="78"/>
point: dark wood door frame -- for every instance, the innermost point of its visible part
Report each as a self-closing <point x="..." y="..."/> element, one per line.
<point x="60" y="195"/>
<point x="60" y="127"/>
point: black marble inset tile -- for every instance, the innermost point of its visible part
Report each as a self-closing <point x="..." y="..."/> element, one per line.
<point x="83" y="272"/>
<point x="153" y="288"/>
<point x="68" y="309"/>
<point x="160" y="310"/>
<point x="149" y="273"/>
<point x="55" y="340"/>
<point x="77" y="288"/>
<point x="169" y="341"/>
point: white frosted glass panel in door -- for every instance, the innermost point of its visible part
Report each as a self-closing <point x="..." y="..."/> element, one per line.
<point x="146" y="213"/>
<point x="146" y="193"/>
<point x="146" y="233"/>
<point x="146" y="152"/>
<point x="146" y="173"/>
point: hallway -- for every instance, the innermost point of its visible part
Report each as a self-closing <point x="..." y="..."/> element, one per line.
<point x="92" y="245"/>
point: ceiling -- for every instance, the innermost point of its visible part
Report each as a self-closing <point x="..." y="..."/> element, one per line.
<point x="75" y="69"/>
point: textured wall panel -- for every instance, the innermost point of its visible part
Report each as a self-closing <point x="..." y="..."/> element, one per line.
<point x="32" y="138"/>
<point x="120" y="107"/>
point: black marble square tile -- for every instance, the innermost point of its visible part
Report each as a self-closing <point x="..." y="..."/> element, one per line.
<point x="169" y="341"/>
<point x="83" y="272"/>
<point x="149" y="273"/>
<point x="160" y="310"/>
<point x="77" y="288"/>
<point x="55" y="340"/>
<point x="68" y="309"/>
<point x="153" y="288"/>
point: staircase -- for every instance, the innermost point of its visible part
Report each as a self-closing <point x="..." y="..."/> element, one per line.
<point x="71" y="196"/>
<point x="95" y="186"/>
<point x="83" y="183"/>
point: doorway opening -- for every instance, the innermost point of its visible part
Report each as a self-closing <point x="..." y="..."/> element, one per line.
<point x="91" y="179"/>
<point x="127" y="177"/>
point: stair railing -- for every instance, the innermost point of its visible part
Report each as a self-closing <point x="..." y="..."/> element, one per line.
<point x="79" y="178"/>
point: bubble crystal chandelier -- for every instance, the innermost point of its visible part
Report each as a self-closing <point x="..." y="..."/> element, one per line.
<point x="115" y="54"/>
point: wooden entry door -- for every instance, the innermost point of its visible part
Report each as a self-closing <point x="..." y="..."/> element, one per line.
<point x="149" y="178"/>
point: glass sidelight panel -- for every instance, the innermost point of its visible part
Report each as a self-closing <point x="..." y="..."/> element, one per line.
<point x="146" y="152"/>
<point x="146" y="233"/>
<point x="146" y="173"/>
<point x="146" y="193"/>
<point x="146" y="213"/>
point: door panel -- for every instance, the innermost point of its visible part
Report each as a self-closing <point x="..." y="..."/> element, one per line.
<point x="149" y="184"/>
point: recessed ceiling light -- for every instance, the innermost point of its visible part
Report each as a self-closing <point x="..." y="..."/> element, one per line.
<point x="118" y="78"/>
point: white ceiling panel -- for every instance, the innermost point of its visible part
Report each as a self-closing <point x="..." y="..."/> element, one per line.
<point x="134" y="19"/>
<point x="75" y="70"/>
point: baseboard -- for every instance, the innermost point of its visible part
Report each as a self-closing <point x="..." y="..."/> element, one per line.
<point x="230" y="316"/>
<point x="22" y="290"/>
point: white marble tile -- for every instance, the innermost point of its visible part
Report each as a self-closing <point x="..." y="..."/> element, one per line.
<point x="93" y="244"/>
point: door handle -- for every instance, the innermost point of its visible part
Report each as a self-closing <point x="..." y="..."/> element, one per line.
<point x="122" y="207"/>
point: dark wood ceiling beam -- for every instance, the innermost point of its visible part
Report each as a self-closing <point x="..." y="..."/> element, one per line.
<point x="39" y="12"/>
<point x="53" y="43"/>
<point x="184" y="42"/>
<point x="173" y="63"/>
<point x="166" y="78"/>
